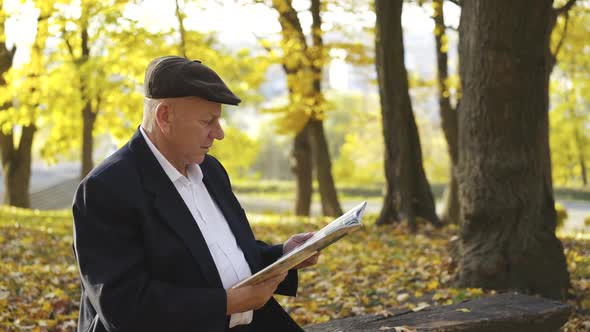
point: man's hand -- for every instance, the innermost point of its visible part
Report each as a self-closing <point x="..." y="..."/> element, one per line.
<point x="294" y="242"/>
<point x="252" y="297"/>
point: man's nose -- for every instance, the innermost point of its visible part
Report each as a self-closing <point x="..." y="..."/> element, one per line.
<point x="217" y="132"/>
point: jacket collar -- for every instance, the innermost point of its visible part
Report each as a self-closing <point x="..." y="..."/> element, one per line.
<point x="171" y="207"/>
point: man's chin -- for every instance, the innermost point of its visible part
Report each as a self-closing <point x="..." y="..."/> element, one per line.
<point x="199" y="160"/>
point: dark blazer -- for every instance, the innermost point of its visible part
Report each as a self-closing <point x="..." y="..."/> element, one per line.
<point x="144" y="264"/>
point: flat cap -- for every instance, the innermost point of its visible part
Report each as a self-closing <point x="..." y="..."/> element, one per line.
<point x="174" y="77"/>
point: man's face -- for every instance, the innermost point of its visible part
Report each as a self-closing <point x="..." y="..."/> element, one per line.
<point x="193" y="128"/>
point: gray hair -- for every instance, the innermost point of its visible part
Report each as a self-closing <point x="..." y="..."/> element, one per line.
<point x="149" y="112"/>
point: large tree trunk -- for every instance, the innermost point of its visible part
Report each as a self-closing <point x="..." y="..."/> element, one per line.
<point x="321" y="153"/>
<point x="389" y="210"/>
<point x="301" y="163"/>
<point x="16" y="167"/>
<point x="448" y="114"/>
<point x="16" y="161"/>
<point x="506" y="194"/>
<point x="301" y="167"/>
<point x="402" y="143"/>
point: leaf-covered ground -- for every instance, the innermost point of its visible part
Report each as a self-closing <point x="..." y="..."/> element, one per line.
<point x="372" y="270"/>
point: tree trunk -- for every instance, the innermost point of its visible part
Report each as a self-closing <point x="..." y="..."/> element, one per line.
<point x="88" y="119"/>
<point x="448" y="114"/>
<point x="16" y="162"/>
<point x="321" y="157"/>
<point x="88" y="113"/>
<point x="584" y="172"/>
<point x="402" y="144"/>
<point x="507" y="205"/>
<point x="182" y="31"/>
<point x="452" y="207"/>
<point x="389" y="210"/>
<point x="301" y="155"/>
<point x="321" y="154"/>
<point x="16" y="167"/>
<point x="581" y="156"/>
<point x="301" y="167"/>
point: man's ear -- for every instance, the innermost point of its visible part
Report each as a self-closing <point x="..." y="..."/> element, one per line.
<point x="164" y="116"/>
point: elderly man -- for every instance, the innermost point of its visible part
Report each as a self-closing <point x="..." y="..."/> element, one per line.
<point x="160" y="237"/>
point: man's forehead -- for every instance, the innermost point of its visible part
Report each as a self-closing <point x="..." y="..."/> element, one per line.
<point x="203" y="107"/>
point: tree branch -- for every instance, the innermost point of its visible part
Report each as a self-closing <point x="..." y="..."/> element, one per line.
<point x="67" y="41"/>
<point x="565" y="8"/>
<point x="456" y="2"/>
<point x="450" y="27"/>
<point x="563" y="35"/>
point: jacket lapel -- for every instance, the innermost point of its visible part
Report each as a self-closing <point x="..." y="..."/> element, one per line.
<point x="171" y="207"/>
<point x="223" y="197"/>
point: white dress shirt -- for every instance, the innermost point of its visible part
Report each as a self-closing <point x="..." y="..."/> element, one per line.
<point x="229" y="258"/>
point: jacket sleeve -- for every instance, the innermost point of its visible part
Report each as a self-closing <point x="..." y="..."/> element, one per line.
<point x="112" y="263"/>
<point x="269" y="255"/>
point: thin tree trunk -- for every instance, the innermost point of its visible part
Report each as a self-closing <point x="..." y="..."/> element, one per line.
<point x="402" y="144"/>
<point x="581" y="156"/>
<point x="506" y="193"/>
<point x="88" y="120"/>
<point x="321" y="153"/>
<point x="302" y="169"/>
<point x="584" y="171"/>
<point x="87" y="112"/>
<point x="448" y="114"/>
<point x="321" y="157"/>
<point x="301" y="163"/>
<point x="180" y="17"/>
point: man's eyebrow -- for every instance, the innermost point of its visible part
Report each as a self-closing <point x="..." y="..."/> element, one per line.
<point x="211" y="116"/>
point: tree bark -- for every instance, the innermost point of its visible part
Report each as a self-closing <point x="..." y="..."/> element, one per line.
<point x="181" y="29"/>
<point x="16" y="167"/>
<point x="321" y="153"/>
<point x="584" y="171"/>
<point x="302" y="168"/>
<point x="321" y="157"/>
<point x="311" y="138"/>
<point x="448" y="114"/>
<point x="301" y="163"/>
<point x="87" y="112"/>
<point x="506" y="193"/>
<point x="16" y="161"/>
<point x="88" y="120"/>
<point x="402" y="143"/>
<point x="581" y="156"/>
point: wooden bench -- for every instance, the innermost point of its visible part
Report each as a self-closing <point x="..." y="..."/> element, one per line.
<point x="498" y="313"/>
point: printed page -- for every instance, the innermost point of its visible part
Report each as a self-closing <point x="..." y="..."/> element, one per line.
<point x="323" y="238"/>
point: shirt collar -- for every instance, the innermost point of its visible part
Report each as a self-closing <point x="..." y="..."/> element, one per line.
<point x="194" y="172"/>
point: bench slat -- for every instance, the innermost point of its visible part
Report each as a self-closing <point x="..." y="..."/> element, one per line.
<point x="502" y="312"/>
